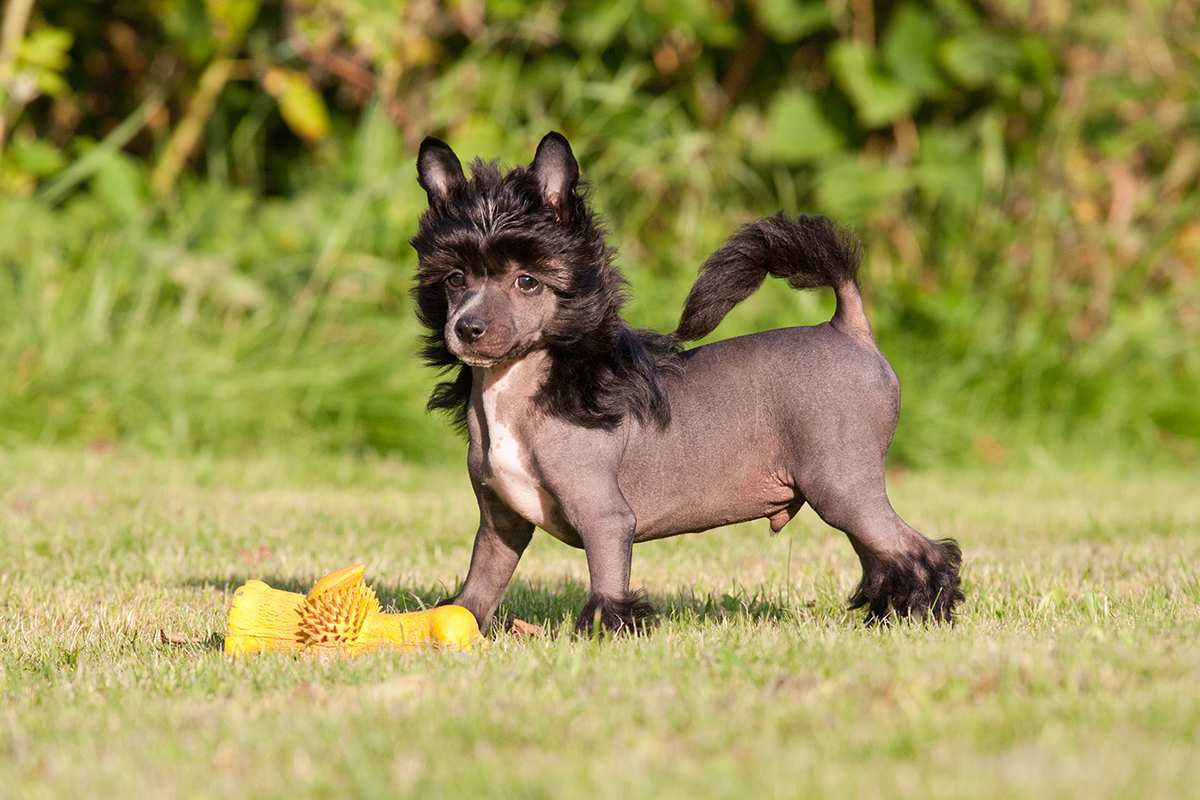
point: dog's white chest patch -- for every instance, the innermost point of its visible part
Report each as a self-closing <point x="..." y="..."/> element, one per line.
<point x="507" y="461"/>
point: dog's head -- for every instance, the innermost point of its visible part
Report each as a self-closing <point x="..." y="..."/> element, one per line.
<point x="512" y="262"/>
<point x="502" y="256"/>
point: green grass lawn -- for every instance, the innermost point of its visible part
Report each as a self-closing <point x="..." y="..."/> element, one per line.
<point x="1074" y="669"/>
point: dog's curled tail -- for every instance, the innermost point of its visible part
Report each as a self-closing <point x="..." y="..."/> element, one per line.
<point x="806" y="251"/>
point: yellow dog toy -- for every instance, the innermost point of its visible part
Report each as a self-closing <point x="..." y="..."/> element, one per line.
<point x="340" y="613"/>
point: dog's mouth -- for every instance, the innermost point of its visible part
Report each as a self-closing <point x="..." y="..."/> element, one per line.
<point x="475" y="358"/>
<point x="478" y="361"/>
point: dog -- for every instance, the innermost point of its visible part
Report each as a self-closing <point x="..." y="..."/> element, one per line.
<point x="605" y="436"/>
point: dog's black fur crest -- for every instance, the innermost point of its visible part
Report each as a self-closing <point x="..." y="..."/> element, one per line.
<point x="601" y="369"/>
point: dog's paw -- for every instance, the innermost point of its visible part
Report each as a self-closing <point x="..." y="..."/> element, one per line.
<point x="600" y="615"/>
<point x="924" y="586"/>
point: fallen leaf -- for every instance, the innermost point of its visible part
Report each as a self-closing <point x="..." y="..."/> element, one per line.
<point x="526" y="630"/>
<point x="255" y="556"/>
<point x="177" y="638"/>
<point x="989" y="449"/>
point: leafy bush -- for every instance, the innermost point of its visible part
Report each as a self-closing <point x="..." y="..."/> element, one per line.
<point x="209" y="201"/>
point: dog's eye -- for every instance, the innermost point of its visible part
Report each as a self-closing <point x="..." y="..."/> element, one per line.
<point x="456" y="280"/>
<point x="527" y="283"/>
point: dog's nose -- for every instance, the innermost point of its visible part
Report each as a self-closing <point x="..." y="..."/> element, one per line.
<point x="470" y="328"/>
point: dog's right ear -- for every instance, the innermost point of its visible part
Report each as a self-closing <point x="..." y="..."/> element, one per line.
<point x="438" y="170"/>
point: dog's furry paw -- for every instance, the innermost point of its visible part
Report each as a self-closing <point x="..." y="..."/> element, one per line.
<point x="630" y="614"/>
<point x="924" y="586"/>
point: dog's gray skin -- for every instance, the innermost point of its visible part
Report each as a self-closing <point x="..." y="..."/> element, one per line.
<point x="759" y="425"/>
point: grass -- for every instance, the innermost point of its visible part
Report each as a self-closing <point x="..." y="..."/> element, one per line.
<point x="1072" y="671"/>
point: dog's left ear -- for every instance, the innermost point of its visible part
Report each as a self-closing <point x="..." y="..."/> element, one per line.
<point x="557" y="172"/>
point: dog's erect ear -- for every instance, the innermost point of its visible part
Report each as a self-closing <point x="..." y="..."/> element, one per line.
<point x="557" y="172"/>
<point x="438" y="169"/>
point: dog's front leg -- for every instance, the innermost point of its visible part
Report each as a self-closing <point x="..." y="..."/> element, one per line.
<point x="501" y="539"/>
<point x="607" y="531"/>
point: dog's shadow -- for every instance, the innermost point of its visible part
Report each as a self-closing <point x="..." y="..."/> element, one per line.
<point x="551" y="605"/>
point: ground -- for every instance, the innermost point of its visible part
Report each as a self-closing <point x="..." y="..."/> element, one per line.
<point x="1072" y="670"/>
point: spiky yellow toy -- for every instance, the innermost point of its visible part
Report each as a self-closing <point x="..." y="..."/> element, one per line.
<point x="340" y="613"/>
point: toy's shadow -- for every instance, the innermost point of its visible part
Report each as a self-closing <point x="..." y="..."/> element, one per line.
<point x="548" y="604"/>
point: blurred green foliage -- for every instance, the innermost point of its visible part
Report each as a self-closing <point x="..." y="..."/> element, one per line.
<point x="207" y="202"/>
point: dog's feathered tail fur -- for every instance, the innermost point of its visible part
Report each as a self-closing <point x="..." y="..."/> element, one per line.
<point x="806" y="251"/>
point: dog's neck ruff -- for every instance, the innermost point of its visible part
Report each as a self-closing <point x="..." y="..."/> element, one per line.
<point x="507" y="395"/>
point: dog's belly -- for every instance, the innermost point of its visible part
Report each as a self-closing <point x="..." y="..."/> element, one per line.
<point x="693" y="513"/>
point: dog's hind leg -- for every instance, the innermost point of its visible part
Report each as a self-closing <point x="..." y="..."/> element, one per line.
<point x="904" y="573"/>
